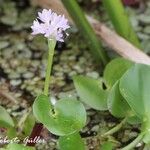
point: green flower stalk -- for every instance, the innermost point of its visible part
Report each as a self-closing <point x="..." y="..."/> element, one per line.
<point x="53" y="27"/>
<point x="51" y="46"/>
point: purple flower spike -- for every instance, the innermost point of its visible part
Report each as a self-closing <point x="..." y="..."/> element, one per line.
<point x="51" y="25"/>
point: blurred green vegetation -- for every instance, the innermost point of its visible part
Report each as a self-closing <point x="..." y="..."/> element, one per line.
<point x="86" y="29"/>
<point x="120" y="20"/>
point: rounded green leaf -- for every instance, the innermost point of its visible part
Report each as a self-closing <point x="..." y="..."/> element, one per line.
<point x="71" y="142"/>
<point x="117" y="105"/>
<point x="5" y="119"/>
<point x="115" y="69"/>
<point x="91" y="92"/>
<point x="135" y="88"/>
<point x="67" y="116"/>
<point x="15" y="146"/>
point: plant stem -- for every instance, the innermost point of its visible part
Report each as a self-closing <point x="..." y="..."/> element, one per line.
<point x="116" y="128"/>
<point x="51" y="46"/>
<point x="134" y="143"/>
<point x="36" y="131"/>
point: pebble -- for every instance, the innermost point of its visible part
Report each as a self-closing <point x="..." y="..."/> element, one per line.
<point x="143" y="36"/>
<point x="15" y="82"/>
<point x="95" y="128"/>
<point x="14" y="75"/>
<point x="3" y="44"/>
<point x="144" y="19"/>
<point x="28" y="75"/>
<point x="147" y="30"/>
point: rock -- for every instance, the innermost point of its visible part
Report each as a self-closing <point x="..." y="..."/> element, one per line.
<point x="144" y="19"/>
<point x="3" y="44"/>
<point x="147" y="30"/>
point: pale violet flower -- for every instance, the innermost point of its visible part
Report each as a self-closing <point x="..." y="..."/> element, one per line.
<point x="51" y="25"/>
